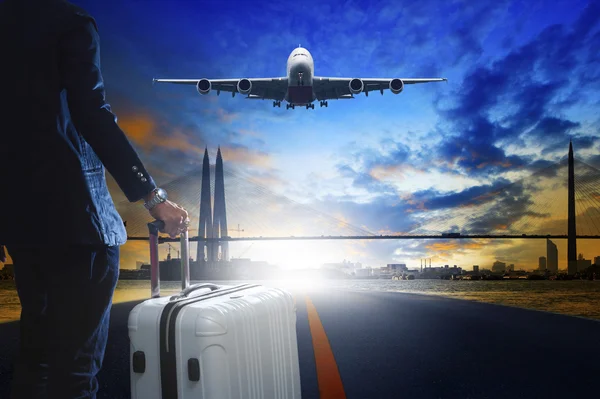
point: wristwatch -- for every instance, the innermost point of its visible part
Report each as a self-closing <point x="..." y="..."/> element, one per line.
<point x="160" y="196"/>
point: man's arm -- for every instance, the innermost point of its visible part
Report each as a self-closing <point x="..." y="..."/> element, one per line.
<point x="81" y="77"/>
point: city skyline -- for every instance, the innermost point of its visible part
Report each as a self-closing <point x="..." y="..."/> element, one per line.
<point x="506" y="111"/>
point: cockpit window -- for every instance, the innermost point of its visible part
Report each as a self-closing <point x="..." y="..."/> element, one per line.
<point x="297" y="54"/>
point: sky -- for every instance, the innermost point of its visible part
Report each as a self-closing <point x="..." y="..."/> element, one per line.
<point x="523" y="80"/>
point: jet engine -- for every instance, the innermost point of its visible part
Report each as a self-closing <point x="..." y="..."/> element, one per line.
<point x="203" y="86"/>
<point x="356" y="86"/>
<point x="396" y="85"/>
<point x="244" y="86"/>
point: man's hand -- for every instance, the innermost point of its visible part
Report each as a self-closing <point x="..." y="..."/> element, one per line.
<point x="174" y="217"/>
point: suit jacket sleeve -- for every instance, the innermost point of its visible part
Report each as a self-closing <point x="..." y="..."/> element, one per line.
<point x="81" y="77"/>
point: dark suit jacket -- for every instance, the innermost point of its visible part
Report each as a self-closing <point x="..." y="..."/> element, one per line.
<point x="57" y="133"/>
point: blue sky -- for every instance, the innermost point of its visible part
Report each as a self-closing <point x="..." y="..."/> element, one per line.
<point x="523" y="79"/>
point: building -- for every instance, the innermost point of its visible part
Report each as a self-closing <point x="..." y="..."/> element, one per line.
<point x="397" y="267"/>
<point x="475" y="269"/>
<point x="583" y="263"/>
<point x="436" y="272"/>
<point x="551" y="257"/>
<point x="498" y="267"/>
<point x="597" y="261"/>
<point x="542" y="264"/>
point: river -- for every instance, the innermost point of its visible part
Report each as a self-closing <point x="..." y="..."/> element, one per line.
<point x="575" y="298"/>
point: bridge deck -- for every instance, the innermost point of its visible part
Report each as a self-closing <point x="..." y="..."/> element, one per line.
<point x="382" y="237"/>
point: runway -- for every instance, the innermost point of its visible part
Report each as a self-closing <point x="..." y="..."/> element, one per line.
<point x="397" y="345"/>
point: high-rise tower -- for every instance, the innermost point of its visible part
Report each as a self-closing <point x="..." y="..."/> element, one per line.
<point x="205" y="225"/>
<point x="220" y="214"/>
<point x="551" y="256"/>
<point x="572" y="234"/>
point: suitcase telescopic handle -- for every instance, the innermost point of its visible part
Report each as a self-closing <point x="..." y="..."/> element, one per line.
<point x="195" y="287"/>
<point x="153" y="229"/>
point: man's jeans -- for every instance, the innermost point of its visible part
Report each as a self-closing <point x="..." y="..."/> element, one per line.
<point x="66" y="295"/>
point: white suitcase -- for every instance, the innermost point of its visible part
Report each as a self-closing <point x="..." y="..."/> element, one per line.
<point x="213" y="341"/>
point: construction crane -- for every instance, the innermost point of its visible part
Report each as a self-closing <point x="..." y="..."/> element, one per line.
<point x="238" y="230"/>
<point x="169" y="255"/>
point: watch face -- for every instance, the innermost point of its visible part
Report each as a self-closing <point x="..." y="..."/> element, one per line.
<point x="161" y="194"/>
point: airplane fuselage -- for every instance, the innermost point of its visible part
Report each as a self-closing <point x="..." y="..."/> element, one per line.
<point x="300" y="73"/>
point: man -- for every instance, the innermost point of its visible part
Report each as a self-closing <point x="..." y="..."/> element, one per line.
<point x="57" y="218"/>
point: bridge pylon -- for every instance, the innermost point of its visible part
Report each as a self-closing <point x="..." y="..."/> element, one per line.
<point x="572" y="232"/>
<point x="212" y="219"/>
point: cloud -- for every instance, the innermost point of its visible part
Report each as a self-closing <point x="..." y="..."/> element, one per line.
<point x="151" y="134"/>
<point x="518" y="92"/>
<point x="242" y="155"/>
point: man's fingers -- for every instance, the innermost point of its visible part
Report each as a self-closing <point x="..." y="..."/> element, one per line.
<point x="175" y="218"/>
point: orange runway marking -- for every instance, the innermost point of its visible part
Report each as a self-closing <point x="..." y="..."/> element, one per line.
<point x="328" y="375"/>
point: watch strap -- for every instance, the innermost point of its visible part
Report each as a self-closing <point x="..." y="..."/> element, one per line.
<point x="154" y="201"/>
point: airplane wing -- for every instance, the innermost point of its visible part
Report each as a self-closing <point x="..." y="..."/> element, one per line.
<point x="339" y="88"/>
<point x="259" y="88"/>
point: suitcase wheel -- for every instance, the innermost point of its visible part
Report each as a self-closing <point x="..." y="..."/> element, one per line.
<point x="193" y="369"/>
<point x="139" y="362"/>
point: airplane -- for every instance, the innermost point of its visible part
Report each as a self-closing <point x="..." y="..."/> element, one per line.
<point x="300" y="87"/>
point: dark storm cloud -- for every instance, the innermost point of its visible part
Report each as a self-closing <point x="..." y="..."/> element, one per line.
<point x="497" y="104"/>
<point x="543" y="168"/>
<point x="510" y="101"/>
<point x="580" y="143"/>
<point x="502" y="211"/>
<point x="509" y="208"/>
<point x="551" y="127"/>
<point x="594" y="160"/>
<point x="433" y="200"/>
<point x="501" y="102"/>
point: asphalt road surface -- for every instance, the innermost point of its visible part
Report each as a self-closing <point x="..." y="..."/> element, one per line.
<point x="396" y="345"/>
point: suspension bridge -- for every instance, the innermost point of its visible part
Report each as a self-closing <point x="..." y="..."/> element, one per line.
<point x="533" y="207"/>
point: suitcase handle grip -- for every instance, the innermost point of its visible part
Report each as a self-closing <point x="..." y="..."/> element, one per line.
<point x="195" y="287"/>
<point x="156" y="226"/>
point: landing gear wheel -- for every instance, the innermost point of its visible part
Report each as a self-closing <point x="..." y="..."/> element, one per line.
<point x="323" y="103"/>
<point x="276" y="104"/>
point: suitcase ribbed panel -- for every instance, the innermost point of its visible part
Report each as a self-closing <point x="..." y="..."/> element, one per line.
<point x="255" y="350"/>
<point x="245" y="343"/>
<point x="275" y="326"/>
<point x="277" y="333"/>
